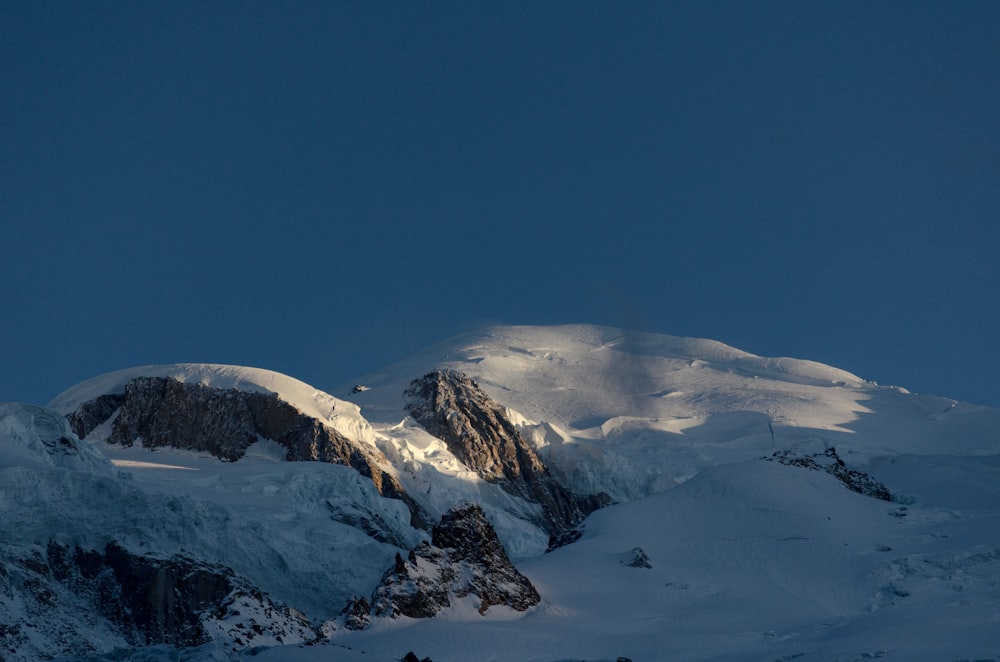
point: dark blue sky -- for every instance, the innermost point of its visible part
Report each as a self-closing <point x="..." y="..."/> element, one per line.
<point x="321" y="188"/>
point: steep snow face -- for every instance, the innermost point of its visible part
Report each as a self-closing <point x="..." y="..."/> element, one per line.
<point x="39" y="436"/>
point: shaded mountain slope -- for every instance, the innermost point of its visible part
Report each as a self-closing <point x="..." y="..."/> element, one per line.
<point x="225" y="422"/>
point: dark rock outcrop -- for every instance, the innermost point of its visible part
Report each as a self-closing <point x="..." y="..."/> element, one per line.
<point x="159" y="411"/>
<point x="356" y="615"/>
<point x="567" y="537"/>
<point x="638" y="558"/>
<point x="94" y="412"/>
<point x="39" y="618"/>
<point x="151" y="600"/>
<point x="66" y="594"/>
<point x="451" y="406"/>
<point x="831" y="463"/>
<point x="417" y="587"/>
<point x="464" y="558"/>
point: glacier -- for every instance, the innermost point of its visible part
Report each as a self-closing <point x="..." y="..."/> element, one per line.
<point x="749" y="559"/>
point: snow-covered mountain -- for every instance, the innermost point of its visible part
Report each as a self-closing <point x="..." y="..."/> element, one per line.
<point x="660" y="498"/>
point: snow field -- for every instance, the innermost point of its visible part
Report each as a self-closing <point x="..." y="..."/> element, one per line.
<point x="750" y="559"/>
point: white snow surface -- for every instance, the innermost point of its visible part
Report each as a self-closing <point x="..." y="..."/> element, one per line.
<point x="751" y="560"/>
<point x="40" y="437"/>
<point x="634" y="414"/>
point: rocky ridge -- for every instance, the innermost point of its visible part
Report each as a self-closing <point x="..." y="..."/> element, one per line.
<point x="452" y="406"/>
<point x="53" y="599"/>
<point x="464" y="559"/>
<point x="830" y="462"/>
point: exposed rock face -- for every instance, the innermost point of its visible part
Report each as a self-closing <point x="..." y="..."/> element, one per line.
<point x="91" y="414"/>
<point x="831" y="463"/>
<point x="638" y="558"/>
<point x="464" y="558"/>
<point x="152" y="600"/>
<point x="157" y="411"/>
<point x="39" y="618"/>
<point x="71" y="601"/>
<point x="451" y="406"/>
<point x="357" y="614"/>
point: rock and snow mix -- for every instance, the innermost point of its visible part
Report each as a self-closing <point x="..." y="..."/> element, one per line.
<point x="229" y="509"/>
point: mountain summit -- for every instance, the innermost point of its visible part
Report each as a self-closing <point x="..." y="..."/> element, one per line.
<point x="542" y="493"/>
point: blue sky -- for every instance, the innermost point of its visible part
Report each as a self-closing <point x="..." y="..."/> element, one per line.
<point x="322" y="188"/>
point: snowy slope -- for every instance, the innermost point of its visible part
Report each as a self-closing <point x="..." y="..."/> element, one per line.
<point x="429" y="472"/>
<point x="750" y="559"/>
<point x="634" y="413"/>
<point x="41" y="438"/>
<point x="262" y="517"/>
